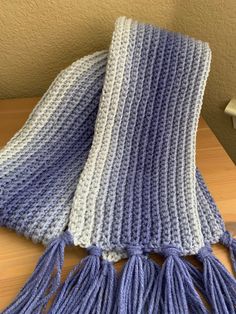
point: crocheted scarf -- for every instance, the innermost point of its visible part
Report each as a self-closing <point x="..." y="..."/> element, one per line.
<point x="106" y="161"/>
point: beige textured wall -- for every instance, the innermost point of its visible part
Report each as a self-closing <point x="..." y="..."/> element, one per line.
<point x="40" y="37"/>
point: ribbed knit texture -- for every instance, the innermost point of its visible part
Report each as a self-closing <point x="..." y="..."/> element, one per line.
<point x="141" y="167"/>
<point x="138" y="186"/>
<point x="39" y="167"/>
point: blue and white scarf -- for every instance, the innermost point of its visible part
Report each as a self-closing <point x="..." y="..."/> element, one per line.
<point x="106" y="161"/>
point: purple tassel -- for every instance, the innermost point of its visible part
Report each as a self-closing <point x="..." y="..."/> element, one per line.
<point x="136" y="283"/>
<point x="220" y="286"/>
<point x="44" y="281"/>
<point x="89" y="288"/>
<point x="196" y="275"/>
<point x="228" y="241"/>
<point x="151" y="271"/>
<point x="174" y="291"/>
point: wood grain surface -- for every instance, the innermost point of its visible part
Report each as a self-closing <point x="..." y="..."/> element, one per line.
<point x="18" y="256"/>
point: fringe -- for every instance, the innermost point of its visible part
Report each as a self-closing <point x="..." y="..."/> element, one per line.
<point x="89" y="288"/>
<point x="143" y="287"/>
<point x="219" y="285"/>
<point x="228" y="241"/>
<point x="174" y="291"/>
<point x="136" y="283"/>
<point x="44" y="281"/>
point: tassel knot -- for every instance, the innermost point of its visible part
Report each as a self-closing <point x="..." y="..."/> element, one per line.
<point x="66" y="238"/>
<point x="170" y="250"/>
<point x="226" y="239"/>
<point x="204" y="252"/>
<point x="95" y="251"/>
<point x="134" y="250"/>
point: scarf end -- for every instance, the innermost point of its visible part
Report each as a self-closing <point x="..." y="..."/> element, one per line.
<point x="143" y="286"/>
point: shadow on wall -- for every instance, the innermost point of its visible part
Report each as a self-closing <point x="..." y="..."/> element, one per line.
<point x="31" y="59"/>
<point x="214" y="22"/>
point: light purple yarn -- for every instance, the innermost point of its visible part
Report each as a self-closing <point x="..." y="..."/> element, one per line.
<point x="39" y="167"/>
<point x="108" y="155"/>
<point x="139" y="185"/>
<point x="38" y="179"/>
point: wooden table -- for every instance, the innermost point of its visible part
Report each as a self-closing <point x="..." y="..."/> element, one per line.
<point x="18" y="255"/>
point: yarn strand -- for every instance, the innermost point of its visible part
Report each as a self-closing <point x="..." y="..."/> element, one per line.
<point x="220" y="286"/>
<point x="44" y="281"/>
<point x="89" y="287"/>
<point x="136" y="283"/>
<point x="228" y="241"/>
<point x="174" y="291"/>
